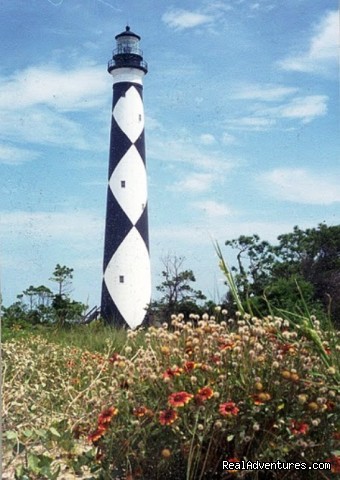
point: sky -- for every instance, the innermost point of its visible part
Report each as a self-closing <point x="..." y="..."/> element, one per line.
<point x="242" y="130"/>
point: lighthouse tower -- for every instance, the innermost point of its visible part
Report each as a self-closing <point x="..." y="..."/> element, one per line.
<point x="126" y="288"/>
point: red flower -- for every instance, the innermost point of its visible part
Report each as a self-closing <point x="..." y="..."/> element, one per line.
<point x="228" y="409"/>
<point x="179" y="399"/>
<point x="142" y="412"/>
<point x="225" y="345"/>
<point x="233" y="460"/>
<point x="335" y="463"/>
<point x="172" y="372"/>
<point x="106" y="415"/>
<point x="205" y="393"/>
<point x="299" y="428"/>
<point x="167" y="417"/>
<point x="188" y="366"/>
<point x="97" y="434"/>
<point x="114" y="358"/>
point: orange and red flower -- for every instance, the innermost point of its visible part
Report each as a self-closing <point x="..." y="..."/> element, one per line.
<point x="188" y="366"/>
<point x="233" y="461"/>
<point x="142" y="412"/>
<point x="167" y="417"/>
<point x="335" y="463"/>
<point x="172" y="372"/>
<point x="298" y="428"/>
<point x="179" y="399"/>
<point x="97" y="434"/>
<point x="106" y="415"/>
<point x="228" y="409"/>
<point x="205" y="393"/>
<point x="261" y="398"/>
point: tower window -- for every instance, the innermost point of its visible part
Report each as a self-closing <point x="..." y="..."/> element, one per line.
<point x="121" y="278"/>
<point x="140" y="117"/>
<point x="122" y="183"/>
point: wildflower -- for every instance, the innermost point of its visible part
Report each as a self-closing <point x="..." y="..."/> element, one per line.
<point x="335" y="463"/>
<point x="188" y="366"/>
<point x="106" y="415"/>
<point x="97" y="434"/>
<point x="172" y="372"/>
<point x="205" y="393"/>
<point x="165" y="350"/>
<point x="142" y="412"/>
<point x="313" y="406"/>
<point x="179" y="399"/>
<point x="167" y="417"/>
<point x="316" y="422"/>
<point x="299" y="428"/>
<point x="166" y="453"/>
<point x="261" y="398"/>
<point x="228" y="409"/>
<point x="302" y="398"/>
<point x="114" y="358"/>
<point x="233" y="461"/>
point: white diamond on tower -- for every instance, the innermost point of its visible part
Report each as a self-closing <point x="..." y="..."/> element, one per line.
<point x="130" y="291"/>
<point x="129" y="115"/>
<point x="128" y="184"/>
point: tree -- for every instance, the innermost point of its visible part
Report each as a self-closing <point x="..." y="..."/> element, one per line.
<point x="40" y="304"/>
<point x="67" y="310"/>
<point x="62" y="275"/>
<point x="38" y="296"/>
<point x="306" y="261"/>
<point x="178" y="295"/>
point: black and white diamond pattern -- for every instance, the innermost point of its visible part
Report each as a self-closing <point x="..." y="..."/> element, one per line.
<point x="127" y="277"/>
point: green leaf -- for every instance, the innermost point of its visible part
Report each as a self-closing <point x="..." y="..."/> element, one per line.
<point x="54" y="432"/>
<point x="40" y="432"/>
<point x="33" y="463"/>
<point x="11" y="435"/>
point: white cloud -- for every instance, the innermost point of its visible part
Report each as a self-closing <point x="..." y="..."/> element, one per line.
<point x="211" y="208"/>
<point x="64" y="90"/>
<point x="305" y="108"/>
<point x="181" y="19"/>
<point x="36" y="105"/>
<point x="264" y="117"/>
<point x="195" y="183"/>
<point x="265" y="92"/>
<point x="174" y="150"/>
<point x="257" y="123"/>
<point x="300" y="186"/>
<point x="73" y="226"/>
<point x="207" y="139"/>
<point x="10" y="155"/>
<point x="322" y="53"/>
<point x="228" y="139"/>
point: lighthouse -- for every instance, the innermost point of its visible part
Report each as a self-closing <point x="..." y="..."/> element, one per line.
<point x="126" y="288"/>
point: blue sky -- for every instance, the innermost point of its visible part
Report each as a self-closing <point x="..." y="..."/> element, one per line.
<point x="241" y="104"/>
